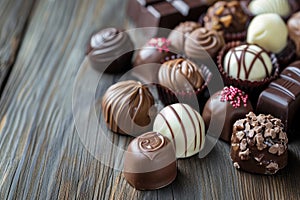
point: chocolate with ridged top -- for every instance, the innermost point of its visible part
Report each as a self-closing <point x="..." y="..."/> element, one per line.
<point x="180" y="75"/>
<point x="248" y="62"/>
<point x="233" y="102"/>
<point x="128" y="107"/>
<point x="282" y="98"/>
<point x="184" y="126"/>
<point x="150" y="162"/>
<point x="110" y="50"/>
<point x="203" y="43"/>
<point x="259" y="144"/>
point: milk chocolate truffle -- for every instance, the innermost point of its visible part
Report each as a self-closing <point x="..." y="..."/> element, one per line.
<point x="233" y="102"/>
<point x="181" y="32"/>
<point x="259" y="144"/>
<point x="154" y="51"/>
<point x="268" y="31"/>
<point x="280" y="7"/>
<point x="202" y="43"/>
<point x="110" y="50"/>
<point x="128" y="107"/>
<point x="248" y="62"/>
<point x="150" y="162"/>
<point x="184" y="126"/>
<point x="228" y="17"/>
<point x="180" y="75"/>
<point x="294" y="30"/>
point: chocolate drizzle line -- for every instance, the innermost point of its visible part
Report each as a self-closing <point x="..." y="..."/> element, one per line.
<point x="194" y="126"/>
<point x="172" y="133"/>
<point x="242" y="59"/>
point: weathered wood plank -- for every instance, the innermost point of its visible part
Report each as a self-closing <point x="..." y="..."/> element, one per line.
<point x="42" y="155"/>
<point x="14" y="15"/>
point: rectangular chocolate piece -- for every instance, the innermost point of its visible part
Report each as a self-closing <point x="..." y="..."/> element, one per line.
<point x="166" y="13"/>
<point x="282" y="98"/>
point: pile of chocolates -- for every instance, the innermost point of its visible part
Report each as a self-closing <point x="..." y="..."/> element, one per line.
<point x="256" y="48"/>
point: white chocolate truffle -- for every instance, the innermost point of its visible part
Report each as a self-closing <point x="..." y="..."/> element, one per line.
<point x="248" y="62"/>
<point x="280" y="7"/>
<point x="184" y="126"/>
<point x="268" y="31"/>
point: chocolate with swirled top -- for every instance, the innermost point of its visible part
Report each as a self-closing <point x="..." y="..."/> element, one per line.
<point x="110" y="50"/>
<point x="180" y="75"/>
<point x="150" y="162"/>
<point x="226" y="16"/>
<point x="201" y="41"/>
<point x="181" y="32"/>
<point x="128" y="107"/>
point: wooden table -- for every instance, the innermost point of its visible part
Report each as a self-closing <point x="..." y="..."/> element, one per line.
<point x="42" y="46"/>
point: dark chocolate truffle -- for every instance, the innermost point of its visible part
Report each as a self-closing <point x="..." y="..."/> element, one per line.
<point x="110" y="50"/>
<point x="150" y="162"/>
<point x="128" y="107"/>
<point x="233" y="102"/>
<point x="282" y="98"/>
<point x="154" y="51"/>
<point x="259" y="144"/>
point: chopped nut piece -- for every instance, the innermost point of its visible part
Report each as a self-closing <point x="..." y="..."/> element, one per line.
<point x="270" y="133"/>
<point x="274" y="149"/>
<point x="235" y="146"/>
<point x="244" y="155"/>
<point x="240" y="124"/>
<point x="281" y="149"/>
<point x="269" y="125"/>
<point x="261" y="147"/>
<point x="282" y="135"/>
<point x="247" y="126"/>
<point x="226" y="20"/>
<point x="236" y="165"/>
<point x="219" y="10"/>
<point x="251" y="133"/>
<point x="272" y="166"/>
<point x="258" y="129"/>
<point x="259" y="157"/>
<point x="240" y="135"/>
<point x="243" y="144"/>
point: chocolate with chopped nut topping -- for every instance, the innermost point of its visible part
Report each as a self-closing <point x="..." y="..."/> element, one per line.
<point x="259" y="144"/>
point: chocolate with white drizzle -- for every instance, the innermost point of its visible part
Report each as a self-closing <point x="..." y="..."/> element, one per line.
<point x="150" y="162"/>
<point x="184" y="126"/>
<point x="248" y="62"/>
<point x="259" y="144"/>
<point x="128" y="107"/>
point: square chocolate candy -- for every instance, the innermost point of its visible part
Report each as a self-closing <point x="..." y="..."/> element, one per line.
<point x="165" y="13"/>
<point x="282" y="98"/>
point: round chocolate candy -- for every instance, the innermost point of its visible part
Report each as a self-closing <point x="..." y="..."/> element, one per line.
<point x="248" y="62"/>
<point x="259" y="144"/>
<point x="184" y="126"/>
<point x="233" y="102"/>
<point x="128" y="107"/>
<point x="150" y="162"/>
<point x="110" y="50"/>
<point x="280" y="7"/>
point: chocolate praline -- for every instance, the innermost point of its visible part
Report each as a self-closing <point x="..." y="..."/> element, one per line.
<point x="128" y="107"/>
<point x="110" y="50"/>
<point x="259" y="144"/>
<point x="150" y="162"/>
<point x="233" y="102"/>
<point x="294" y="30"/>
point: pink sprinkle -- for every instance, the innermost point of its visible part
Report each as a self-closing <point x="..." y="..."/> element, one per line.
<point x="162" y="44"/>
<point x="235" y="96"/>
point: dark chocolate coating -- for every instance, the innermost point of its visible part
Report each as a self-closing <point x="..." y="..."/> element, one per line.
<point x="214" y="108"/>
<point x="150" y="162"/>
<point x="166" y="14"/>
<point x="282" y="98"/>
<point x="110" y="50"/>
<point x="259" y="144"/>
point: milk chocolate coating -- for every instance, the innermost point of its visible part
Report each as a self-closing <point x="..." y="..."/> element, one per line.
<point x="180" y="75"/>
<point x="248" y="62"/>
<point x="282" y="98"/>
<point x="128" y="107"/>
<point x="294" y="30"/>
<point x="202" y="43"/>
<point x="181" y="32"/>
<point x="110" y="50"/>
<point x="218" y="104"/>
<point x="226" y="16"/>
<point x="259" y="144"/>
<point x="150" y="162"/>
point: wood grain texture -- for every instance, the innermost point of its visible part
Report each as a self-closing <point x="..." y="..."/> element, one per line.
<point x="43" y="156"/>
<point x="14" y="15"/>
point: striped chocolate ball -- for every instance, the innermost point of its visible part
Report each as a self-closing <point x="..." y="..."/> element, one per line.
<point x="184" y="126"/>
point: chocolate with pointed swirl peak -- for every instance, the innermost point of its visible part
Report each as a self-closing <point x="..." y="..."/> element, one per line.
<point x="110" y="50"/>
<point x="202" y="43"/>
<point x="150" y="162"/>
<point x="180" y="75"/>
<point x="128" y="107"/>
